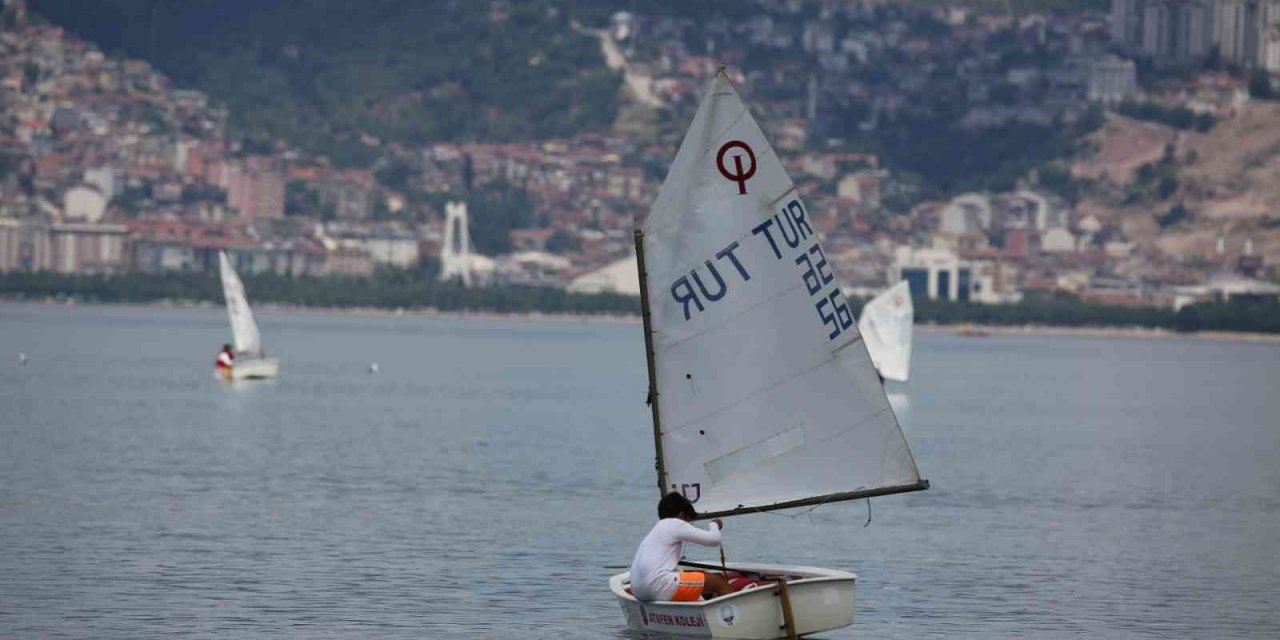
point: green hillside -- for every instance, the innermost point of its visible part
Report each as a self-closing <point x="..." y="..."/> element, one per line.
<point x="320" y="73"/>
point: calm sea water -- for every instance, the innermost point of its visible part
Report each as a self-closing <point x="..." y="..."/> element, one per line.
<point x="481" y="483"/>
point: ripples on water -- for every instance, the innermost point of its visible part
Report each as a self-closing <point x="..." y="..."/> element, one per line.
<point x="481" y="482"/>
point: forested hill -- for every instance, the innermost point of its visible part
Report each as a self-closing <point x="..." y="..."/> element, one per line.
<point x="319" y="73"/>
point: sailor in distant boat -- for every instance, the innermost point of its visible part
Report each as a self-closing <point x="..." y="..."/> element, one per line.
<point x="655" y="574"/>
<point x="226" y="360"/>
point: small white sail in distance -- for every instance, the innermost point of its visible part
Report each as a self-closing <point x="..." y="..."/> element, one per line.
<point x="766" y="396"/>
<point x="243" y="327"/>
<point x="886" y="328"/>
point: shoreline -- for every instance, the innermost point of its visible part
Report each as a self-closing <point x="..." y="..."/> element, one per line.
<point x="979" y="330"/>
<point x="269" y="308"/>
<point x="1041" y="330"/>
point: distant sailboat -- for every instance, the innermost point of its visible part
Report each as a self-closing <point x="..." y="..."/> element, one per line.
<point x="250" y="362"/>
<point x="762" y="394"/>
<point x="885" y="326"/>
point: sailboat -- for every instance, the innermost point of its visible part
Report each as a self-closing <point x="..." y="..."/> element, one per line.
<point x="885" y="326"/>
<point x="762" y="393"/>
<point x="251" y="363"/>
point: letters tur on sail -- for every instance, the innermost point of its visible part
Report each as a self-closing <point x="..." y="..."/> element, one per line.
<point x="243" y="327"/>
<point x="766" y="395"/>
<point x="886" y="327"/>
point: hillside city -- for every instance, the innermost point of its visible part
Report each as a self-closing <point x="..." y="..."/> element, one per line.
<point x="1160" y="192"/>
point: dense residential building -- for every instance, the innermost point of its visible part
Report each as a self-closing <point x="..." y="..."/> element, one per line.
<point x="88" y="247"/>
<point x="35" y="244"/>
<point x="115" y="170"/>
<point x="24" y="246"/>
<point x="255" y="189"/>
<point x="1112" y="79"/>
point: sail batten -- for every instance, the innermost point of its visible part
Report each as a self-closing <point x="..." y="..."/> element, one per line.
<point x="244" y="329"/>
<point x="768" y="396"/>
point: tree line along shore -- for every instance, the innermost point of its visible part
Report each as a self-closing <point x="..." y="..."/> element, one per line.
<point x="403" y="289"/>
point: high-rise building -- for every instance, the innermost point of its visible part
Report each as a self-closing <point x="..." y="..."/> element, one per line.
<point x="1179" y="30"/>
<point x="1234" y="31"/>
<point x="1195" y="29"/>
<point x="1126" y="22"/>
<point x="1269" y="35"/>
<point x="1155" y="28"/>
<point x="1247" y="33"/>
<point x="1243" y="32"/>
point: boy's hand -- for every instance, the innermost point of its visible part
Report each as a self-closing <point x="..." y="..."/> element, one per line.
<point x="719" y="523"/>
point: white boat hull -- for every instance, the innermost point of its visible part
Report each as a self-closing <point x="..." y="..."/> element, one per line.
<point x="257" y="369"/>
<point x="821" y="600"/>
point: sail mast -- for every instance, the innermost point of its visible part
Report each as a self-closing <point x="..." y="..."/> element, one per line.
<point x="652" y="400"/>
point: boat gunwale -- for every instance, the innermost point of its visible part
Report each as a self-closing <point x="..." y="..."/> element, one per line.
<point x="615" y="583"/>
<point x="255" y="369"/>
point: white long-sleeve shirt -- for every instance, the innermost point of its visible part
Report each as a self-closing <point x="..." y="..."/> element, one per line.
<point x="653" y="572"/>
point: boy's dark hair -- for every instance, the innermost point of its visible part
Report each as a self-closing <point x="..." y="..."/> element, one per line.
<point x="673" y="504"/>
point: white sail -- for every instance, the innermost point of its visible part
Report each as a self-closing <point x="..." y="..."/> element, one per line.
<point x="243" y="327"/>
<point x="766" y="395"/>
<point x="885" y="326"/>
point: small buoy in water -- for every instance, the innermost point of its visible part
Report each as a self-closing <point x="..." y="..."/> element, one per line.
<point x="373" y="367"/>
<point x="22" y="359"/>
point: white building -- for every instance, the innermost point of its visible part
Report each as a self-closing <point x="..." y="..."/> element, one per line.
<point x="1028" y="210"/>
<point x="66" y="247"/>
<point x="847" y="188"/>
<point x="1112" y="79"/>
<point x="395" y="248"/>
<point x="104" y="178"/>
<point x="1224" y="287"/>
<point x="153" y="256"/>
<point x="1057" y="241"/>
<point x="968" y="213"/>
<point x="84" y="202"/>
<point x="87" y="247"/>
<point x="621" y="277"/>
<point x="934" y="273"/>
<point x="1269" y="35"/>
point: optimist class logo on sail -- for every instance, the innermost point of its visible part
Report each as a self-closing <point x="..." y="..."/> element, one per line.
<point x="741" y="176"/>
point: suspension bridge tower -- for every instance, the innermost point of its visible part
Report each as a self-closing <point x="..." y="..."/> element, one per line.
<point x="455" y="255"/>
